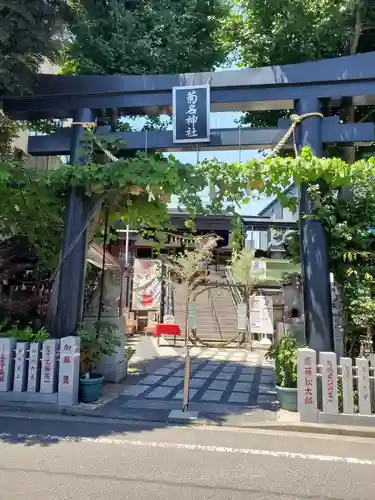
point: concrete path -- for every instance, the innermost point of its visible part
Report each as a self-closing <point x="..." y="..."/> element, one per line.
<point x="84" y="460"/>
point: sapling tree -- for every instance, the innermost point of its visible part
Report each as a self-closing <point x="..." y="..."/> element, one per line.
<point x="246" y="276"/>
<point x="189" y="267"/>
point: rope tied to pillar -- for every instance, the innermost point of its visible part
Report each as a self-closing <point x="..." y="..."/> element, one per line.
<point x="91" y="126"/>
<point x="296" y="120"/>
<point x="84" y="124"/>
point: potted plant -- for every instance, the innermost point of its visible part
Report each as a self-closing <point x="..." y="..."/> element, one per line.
<point x="97" y="341"/>
<point x="284" y="354"/>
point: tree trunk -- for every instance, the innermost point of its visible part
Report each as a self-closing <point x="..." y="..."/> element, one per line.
<point x="348" y="110"/>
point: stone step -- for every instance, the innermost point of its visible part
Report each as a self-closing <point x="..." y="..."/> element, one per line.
<point x="206" y="322"/>
<point x="210" y="324"/>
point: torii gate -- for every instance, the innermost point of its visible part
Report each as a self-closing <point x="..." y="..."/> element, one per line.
<point x="302" y="87"/>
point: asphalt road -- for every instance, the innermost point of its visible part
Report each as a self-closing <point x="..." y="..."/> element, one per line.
<point x="61" y="459"/>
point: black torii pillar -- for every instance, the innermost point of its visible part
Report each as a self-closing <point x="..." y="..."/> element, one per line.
<point x="79" y="211"/>
<point x="314" y="251"/>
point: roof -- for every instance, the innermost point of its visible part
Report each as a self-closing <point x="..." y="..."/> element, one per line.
<point x="275" y="200"/>
<point x="219" y="222"/>
<point x="95" y="257"/>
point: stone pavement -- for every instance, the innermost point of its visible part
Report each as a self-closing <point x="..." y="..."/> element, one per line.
<point x="223" y="382"/>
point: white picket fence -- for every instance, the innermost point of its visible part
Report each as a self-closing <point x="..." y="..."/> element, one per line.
<point x="329" y="392"/>
<point x="45" y="372"/>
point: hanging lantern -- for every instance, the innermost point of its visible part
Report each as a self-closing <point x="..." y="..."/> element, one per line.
<point x="258" y="185"/>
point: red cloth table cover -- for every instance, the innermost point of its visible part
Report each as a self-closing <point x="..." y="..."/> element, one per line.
<point x="167" y="329"/>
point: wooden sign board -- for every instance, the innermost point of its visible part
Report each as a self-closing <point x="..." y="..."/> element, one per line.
<point x="191" y="114"/>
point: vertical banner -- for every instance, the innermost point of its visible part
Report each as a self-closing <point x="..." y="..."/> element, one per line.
<point x="261" y="314"/>
<point x="146" y="285"/>
<point x="191" y="114"/>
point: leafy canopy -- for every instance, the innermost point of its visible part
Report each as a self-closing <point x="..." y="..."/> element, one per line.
<point x="29" y="33"/>
<point x="145" y="36"/>
<point x="268" y="32"/>
<point x="272" y="32"/>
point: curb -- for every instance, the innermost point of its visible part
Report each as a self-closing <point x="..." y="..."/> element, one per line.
<point x="302" y="428"/>
<point x="78" y="412"/>
<point x="317" y="429"/>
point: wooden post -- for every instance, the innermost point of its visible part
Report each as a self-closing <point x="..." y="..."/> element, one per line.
<point x="185" y="405"/>
<point x="314" y="249"/>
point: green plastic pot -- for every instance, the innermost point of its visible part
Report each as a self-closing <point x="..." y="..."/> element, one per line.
<point x="90" y="389"/>
<point x="287" y="397"/>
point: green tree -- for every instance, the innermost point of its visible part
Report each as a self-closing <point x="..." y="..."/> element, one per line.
<point x="29" y="33"/>
<point x="145" y="36"/>
<point x="246" y="277"/>
<point x="189" y="268"/>
<point x="349" y="224"/>
<point x="272" y="32"/>
<point x="267" y="32"/>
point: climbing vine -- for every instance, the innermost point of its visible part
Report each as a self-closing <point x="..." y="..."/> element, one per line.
<point x="238" y="233"/>
<point x="137" y="189"/>
<point x="349" y="225"/>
